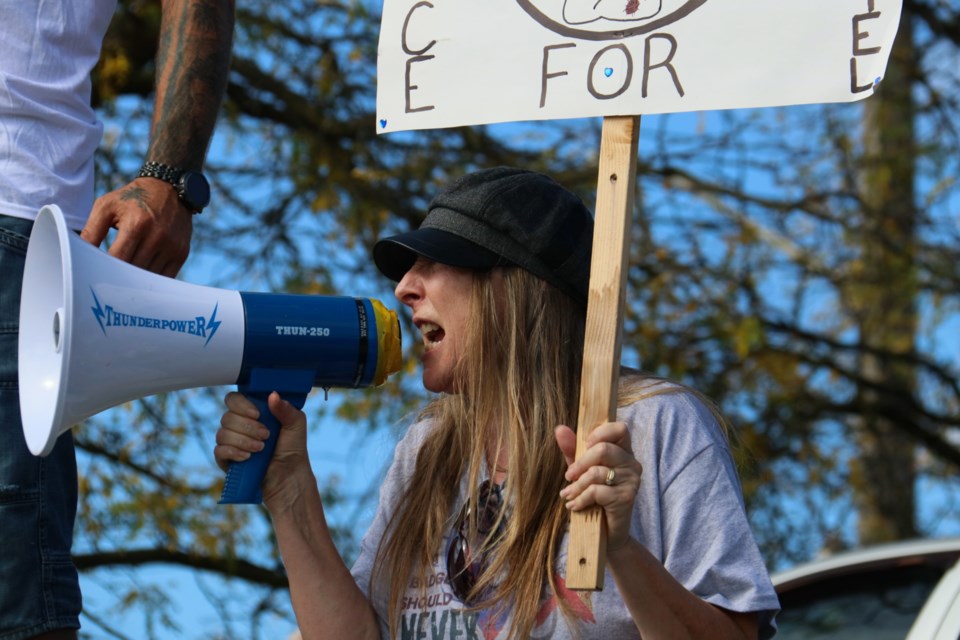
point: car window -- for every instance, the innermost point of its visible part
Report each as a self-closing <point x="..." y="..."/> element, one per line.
<point x="868" y="605"/>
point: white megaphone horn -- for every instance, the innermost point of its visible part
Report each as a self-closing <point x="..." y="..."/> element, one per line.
<point x="96" y="332"/>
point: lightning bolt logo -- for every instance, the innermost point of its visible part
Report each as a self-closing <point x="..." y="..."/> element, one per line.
<point x="98" y="312"/>
<point x="198" y="326"/>
<point x="212" y="324"/>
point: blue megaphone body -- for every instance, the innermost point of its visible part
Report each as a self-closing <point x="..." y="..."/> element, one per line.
<point x="351" y="342"/>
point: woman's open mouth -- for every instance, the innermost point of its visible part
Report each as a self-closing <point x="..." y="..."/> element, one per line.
<point x="432" y="335"/>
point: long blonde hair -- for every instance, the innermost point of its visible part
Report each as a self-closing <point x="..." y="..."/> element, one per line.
<point x="519" y="376"/>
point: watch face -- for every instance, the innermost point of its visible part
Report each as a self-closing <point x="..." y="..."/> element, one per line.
<point x="195" y="190"/>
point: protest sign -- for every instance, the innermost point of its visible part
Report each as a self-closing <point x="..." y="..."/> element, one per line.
<point x="445" y="63"/>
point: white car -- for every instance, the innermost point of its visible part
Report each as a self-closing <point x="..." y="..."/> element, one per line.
<point x="905" y="591"/>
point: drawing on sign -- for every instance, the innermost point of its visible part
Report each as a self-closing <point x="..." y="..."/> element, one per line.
<point x="607" y="19"/>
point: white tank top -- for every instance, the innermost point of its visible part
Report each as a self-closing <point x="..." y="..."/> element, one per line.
<point x="48" y="130"/>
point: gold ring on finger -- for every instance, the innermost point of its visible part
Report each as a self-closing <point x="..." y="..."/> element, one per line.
<point x="611" y="476"/>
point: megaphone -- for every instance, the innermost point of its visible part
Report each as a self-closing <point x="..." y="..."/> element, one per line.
<point x="96" y="332"/>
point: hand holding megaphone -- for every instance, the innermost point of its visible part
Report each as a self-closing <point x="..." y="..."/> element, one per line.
<point x="96" y="332"/>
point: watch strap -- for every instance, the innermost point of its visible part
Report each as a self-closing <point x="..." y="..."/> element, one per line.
<point x="171" y="175"/>
<point x="161" y="172"/>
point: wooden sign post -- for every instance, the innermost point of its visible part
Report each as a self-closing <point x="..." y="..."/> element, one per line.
<point x="616" y="185"/>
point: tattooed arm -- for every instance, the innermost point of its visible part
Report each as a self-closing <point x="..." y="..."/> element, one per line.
<point x="193" y="57"/>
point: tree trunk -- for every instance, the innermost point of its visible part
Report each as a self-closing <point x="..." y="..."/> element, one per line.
<point x="884" y="303"/>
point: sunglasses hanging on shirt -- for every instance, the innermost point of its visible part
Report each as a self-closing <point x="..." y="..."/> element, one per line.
<point x="468" y="551"/>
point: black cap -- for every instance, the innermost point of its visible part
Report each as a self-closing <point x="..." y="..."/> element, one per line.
<point x="498" y="217"/>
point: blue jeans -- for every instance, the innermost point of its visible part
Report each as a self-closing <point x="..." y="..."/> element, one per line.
<point x="39" y="587"/>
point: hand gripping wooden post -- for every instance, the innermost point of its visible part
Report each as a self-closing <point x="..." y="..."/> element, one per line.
<point x="616" y="184"/>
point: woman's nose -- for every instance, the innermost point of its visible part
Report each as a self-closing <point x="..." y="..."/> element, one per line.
<point x="407" y="290"/>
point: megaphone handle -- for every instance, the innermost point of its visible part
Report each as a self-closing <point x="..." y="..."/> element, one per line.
<point x="242" y="484"/>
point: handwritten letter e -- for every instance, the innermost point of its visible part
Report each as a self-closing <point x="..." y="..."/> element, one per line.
<point x="860" y="33"/>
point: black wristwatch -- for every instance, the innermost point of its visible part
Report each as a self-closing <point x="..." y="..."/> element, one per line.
<point x="191" y="186"/>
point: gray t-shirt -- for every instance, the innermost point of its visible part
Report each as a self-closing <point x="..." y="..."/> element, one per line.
<point x="689" y="514"/>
